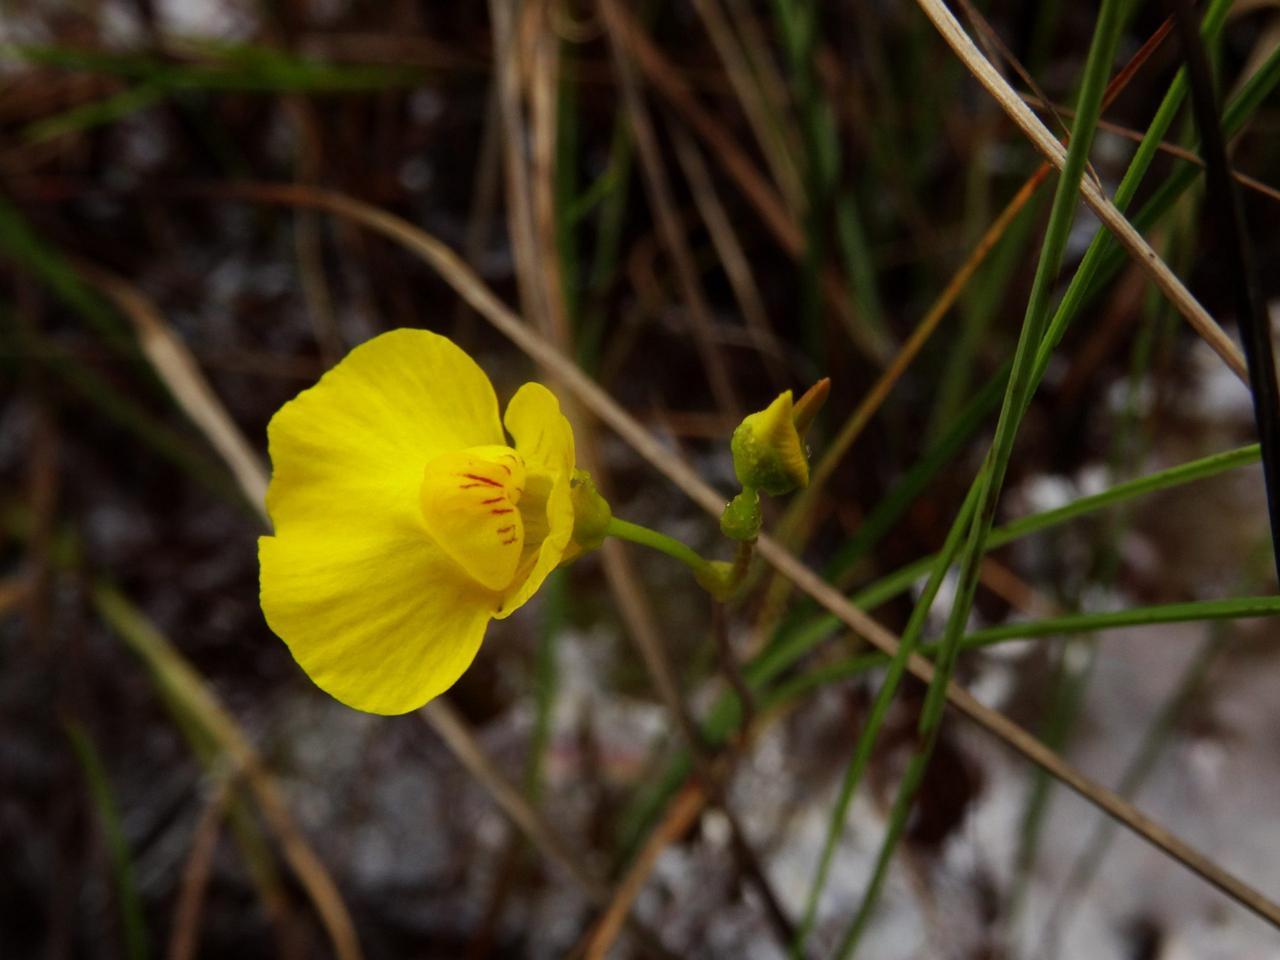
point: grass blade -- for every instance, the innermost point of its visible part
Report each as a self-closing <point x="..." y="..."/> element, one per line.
<point x="1062" y="214"/>
<point x="95" y="774"/>
<point x="1224" y="204"/>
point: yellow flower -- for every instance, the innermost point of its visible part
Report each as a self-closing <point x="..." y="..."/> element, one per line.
<point x="404" y="520"/>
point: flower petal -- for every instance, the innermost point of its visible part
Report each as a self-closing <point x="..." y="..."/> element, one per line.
<point x="384" y="625"/>
<point x="346" y="451"/>
<point x="469" y="500"/>
<point x="371" y="608"/>
<point x="545" y="439"/>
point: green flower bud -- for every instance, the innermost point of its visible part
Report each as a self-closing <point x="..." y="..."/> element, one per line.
<point x="718" y="579"/>
<point x="741" y="518"/>
<point x="591" y="514"/>
<point x="768" y="449"/>
<point x="768" y="454"/>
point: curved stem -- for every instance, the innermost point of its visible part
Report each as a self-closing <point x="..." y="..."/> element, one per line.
<point x="635" y="533"/>
<point x="718" y="577"/>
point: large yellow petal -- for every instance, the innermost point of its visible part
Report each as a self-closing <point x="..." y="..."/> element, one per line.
<point x="544" y="438"/>
<point x="371" y="608"/>
<point x="382" y="624"/>
<point x="345" y="451"/>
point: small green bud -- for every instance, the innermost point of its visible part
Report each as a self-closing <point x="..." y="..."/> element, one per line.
<point x="591" y="514"/>
<point x="718" y="579"/>
<point x="768" y="454"/>
<point x="768" y="449"/>
<point x="741" y="518"/>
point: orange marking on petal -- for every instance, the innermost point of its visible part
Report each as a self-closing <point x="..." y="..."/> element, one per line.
<point x="479" y="479"/>
<point x="493" y="500"/>
<point x="502" y="511"/>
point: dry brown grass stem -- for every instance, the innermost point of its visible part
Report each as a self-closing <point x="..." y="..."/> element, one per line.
<point x="681" y="814"/>
<point x="174" y="364"/>
<point x="732" y="256"/>
<point x="181" y="683"/>
<point x="757" y="99"/>
<point x="444" y="261"/>
<point x="533" y="59"/>
<point x="669" y="224"/>
<point x="1111" y="217"/>
<point x="507" y="57"/>
<point x="544" y="52"/>
<point x="1172" y="149"/>
<point x="185" y="937"/>
<point x="462" y="742"/>
<point x="668" y="80"/>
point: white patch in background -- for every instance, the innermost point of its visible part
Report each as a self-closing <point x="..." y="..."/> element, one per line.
<point x="121" y="27"/>
<point x="1083" y="230"/>
<point x="994" y="684"/>
<point x="426" y="106"/>
<point x="1217" y="393"/>
<point x="1045" y="492"/>
<point x="322" y="12"/>
<point x="1092" y="479"/>
<point x="1121" y="394"/>
<point x="416" y="175"/>
<point x="226" y="20"/>
<point x="715" y="829"/>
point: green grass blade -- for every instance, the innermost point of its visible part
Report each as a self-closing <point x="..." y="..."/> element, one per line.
<point x="886" y="514"/>
<point x="805" y="638"/>
<point x="1240" y="608"/>
<point x="95" y="114"/>
<point x="871" y="732"/>
<point x="95" y="774"/>
<point x="1236" y="608"/>
<point x="1062" y="214"/>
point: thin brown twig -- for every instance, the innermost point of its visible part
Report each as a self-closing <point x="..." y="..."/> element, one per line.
<point x="181" y="374"/>
<point x="681" y="814"/>
<point x="637" y="613"/>
<point x="732" y="256"/>
<point x="1099" y="202"/>
<point x="457" y="735"/>
<point x="663" y="203"/>
<point x="729" y="662"/>
<point x="185" y="938"/>
<point x="1172" y="149"/>
<point x="545" y="78"/>
<point x="756" y="102"/>
<point x="667" y="79"/>
<point x="508" y="51"/>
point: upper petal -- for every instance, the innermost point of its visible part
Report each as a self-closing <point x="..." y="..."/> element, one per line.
<point x="381" y="624"/>
<point x="346" y="450"/>
<point x="544" y="438"/>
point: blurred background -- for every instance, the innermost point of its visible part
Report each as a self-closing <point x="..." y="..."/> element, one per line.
<point x="702" y="203"/>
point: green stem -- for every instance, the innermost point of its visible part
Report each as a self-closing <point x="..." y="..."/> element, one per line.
<point x="635" y="533"/>
<point x="719" y="578"/>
